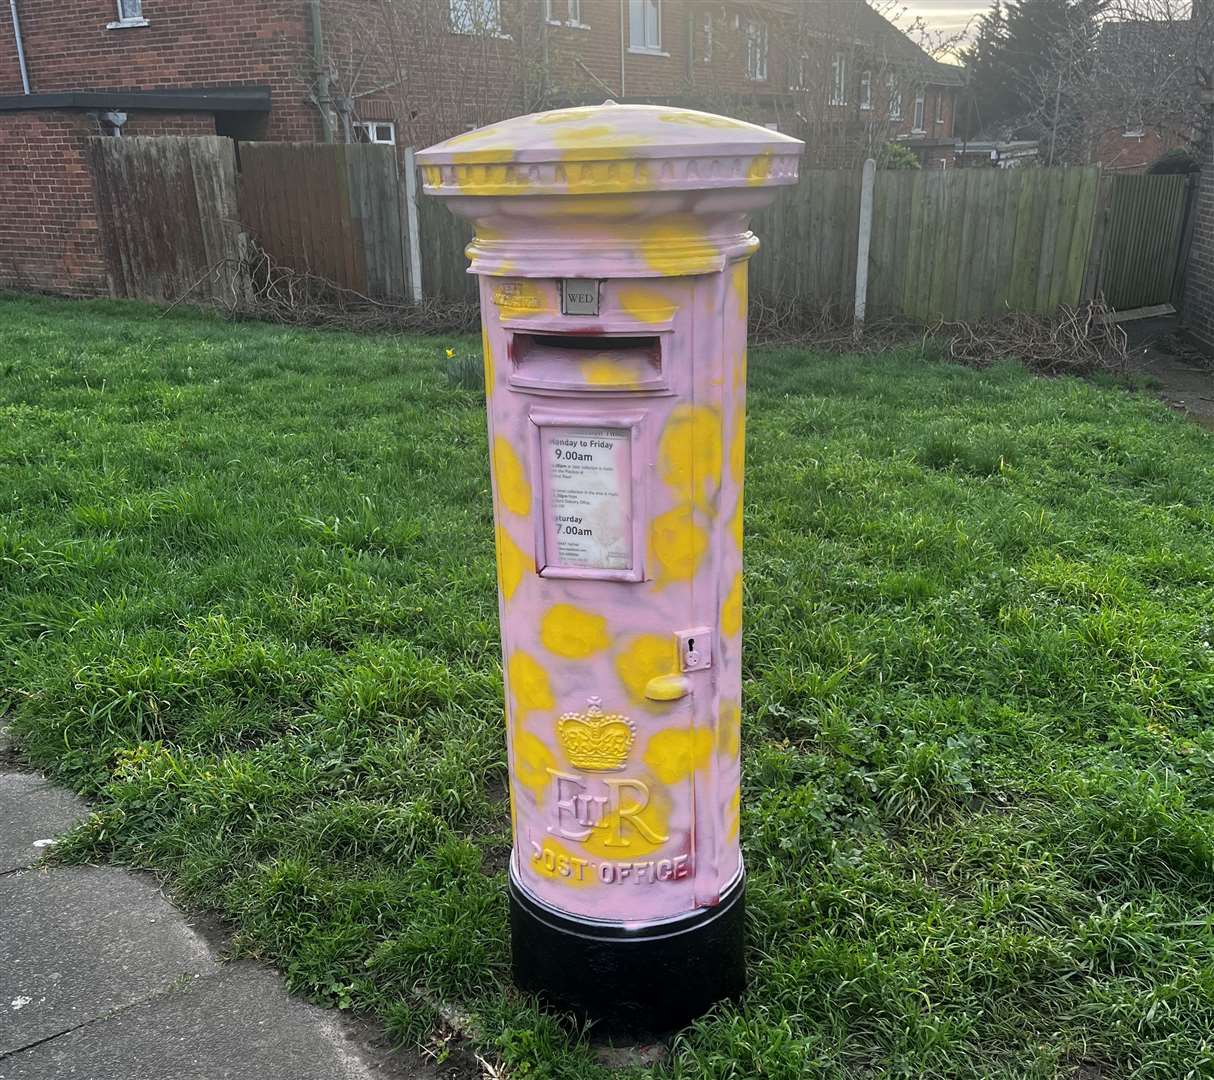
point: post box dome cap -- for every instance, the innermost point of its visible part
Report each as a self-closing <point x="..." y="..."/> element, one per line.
<point x="610" y="149"/>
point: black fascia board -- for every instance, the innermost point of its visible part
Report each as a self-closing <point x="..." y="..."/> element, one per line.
<point x="210" y="99"/>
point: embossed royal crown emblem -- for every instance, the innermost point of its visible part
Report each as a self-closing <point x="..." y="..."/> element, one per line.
<point x="595" y="740"/>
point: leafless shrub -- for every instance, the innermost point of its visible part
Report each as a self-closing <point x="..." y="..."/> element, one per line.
<point x="258" y="287"/>
<point x="1076" y="341"/>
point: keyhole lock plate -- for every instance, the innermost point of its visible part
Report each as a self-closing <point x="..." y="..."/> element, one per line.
<point x="695" y="648"/>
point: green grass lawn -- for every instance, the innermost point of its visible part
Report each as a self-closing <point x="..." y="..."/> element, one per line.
<point x="247" y="604"/>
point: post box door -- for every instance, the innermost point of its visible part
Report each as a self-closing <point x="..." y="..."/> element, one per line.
<point x="619" y="810"/>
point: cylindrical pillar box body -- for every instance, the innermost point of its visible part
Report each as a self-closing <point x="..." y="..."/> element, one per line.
<point x="612" y="246"/>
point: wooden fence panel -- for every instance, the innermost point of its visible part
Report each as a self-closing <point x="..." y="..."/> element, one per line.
<point x="329" y="209"/>
<point x="976" y="243"/>
<point x="1142" y="240"/>
<point x="167" y="213"/>
<point x="808" y="253"/>
<point x="442" y="238"/>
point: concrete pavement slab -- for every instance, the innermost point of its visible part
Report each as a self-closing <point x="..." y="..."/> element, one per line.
<point x="32" y="810"/>
<point x="238" y="1025"/>
<point x="76" y="943"/>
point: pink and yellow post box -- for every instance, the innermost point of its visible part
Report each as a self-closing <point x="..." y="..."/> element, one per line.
<point x="611" y="246"/>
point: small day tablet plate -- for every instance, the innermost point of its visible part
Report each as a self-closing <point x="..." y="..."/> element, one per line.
<point x="579" y="296"/>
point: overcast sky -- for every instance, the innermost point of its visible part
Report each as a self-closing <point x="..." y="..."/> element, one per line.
<point x="947" y="15"/>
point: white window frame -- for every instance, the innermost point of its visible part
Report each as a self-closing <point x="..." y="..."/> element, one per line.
<point x="369" y="127"/>
<point x="917" y="120"/>
<point x="838" y="79"/>
<point x="803" y="72"/>
<point x="573" y="14"/>
<point x="706" y="37"/>
<point x="895" y="97"/>
<point x="866" y="89"/>
<point x="939" y="115"/>
<point x="130" y="13"/>
<point x="756" y="50"/>
<point x="645" y="16"/>
<point x="478" y="17"/>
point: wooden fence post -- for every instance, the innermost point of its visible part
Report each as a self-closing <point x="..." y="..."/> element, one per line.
<point x="412" y="239"/>
<point x="863" y="239"/>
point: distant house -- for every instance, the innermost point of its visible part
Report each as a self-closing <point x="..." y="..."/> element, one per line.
<point x="833" y="72"/>
<point x="1145" y="98"/>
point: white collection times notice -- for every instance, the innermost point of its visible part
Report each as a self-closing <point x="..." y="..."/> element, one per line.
<point x="588" y="472"/>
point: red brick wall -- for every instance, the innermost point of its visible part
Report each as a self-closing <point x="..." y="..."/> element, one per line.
<point x="48" y="221"/>
<point x="1115" y="150"/>
<point x="187" y="43"/>
<point x="1199" y="280"/>
<point x="49" y="234"/>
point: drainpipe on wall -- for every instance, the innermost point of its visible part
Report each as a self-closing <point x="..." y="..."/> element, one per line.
<point x="622" y="7"/>
<point x="323" y="101"/>
<point x="25" y="75"/>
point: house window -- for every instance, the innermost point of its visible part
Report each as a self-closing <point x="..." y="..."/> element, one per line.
<point x="918" y="123"/>
<point x="375" y="131"/>
<point x="706" y="36"/>
<point x="803" y="72"/>
<point x="939" y="107"/>
<point x="866" y="89"/>
<point x="571" y="9"/>
<point x="895" y="98"/>
<point x="476" y="16"/>
<point x="130" y="13"/>
<point x="838" y="79"/>
<point x="756" y="50"/>
<point x="645" y="25"/>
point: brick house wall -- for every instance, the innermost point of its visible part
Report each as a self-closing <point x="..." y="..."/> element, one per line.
<point x="431" y="83"/>
<point x="48" y="217"/>
<point x="49" y="231"/>
<point x="187" y="43"/>
<point x="1199" y="278"/>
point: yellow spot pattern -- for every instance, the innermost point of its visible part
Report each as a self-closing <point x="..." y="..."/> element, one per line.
<point x="677" y="544"/>
<point x="558" y="863"/>
<point x="678" y="245"/>
<point x="701" y="120"/>
<point x="676" y="753"/>
<point x="646" y="305"/>
<point x="610" y="371"/>
<point x="737" y="448"/>
<point x="585" y="175"/>
<point x="512" y="563"/>
<point x="636" y="831"/>
<point x="521" y="298"/>
<point x="740" y="283"/>
<point x="529" y="683"/>
<point x="760" y="169"/>
<point x="731" y="610"/>
<point x="737" y="522"/>
<point x="729" y="729"/>
<point x="532" y="760"/>
<point x="645" y="657"/>
<point x="689" y="452"/>
<point x="733" y="816"/>
<point x="513" y="489"/>
<point x="573" y="633"/>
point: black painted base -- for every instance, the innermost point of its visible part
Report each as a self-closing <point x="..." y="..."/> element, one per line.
<point x="649" y="979"/>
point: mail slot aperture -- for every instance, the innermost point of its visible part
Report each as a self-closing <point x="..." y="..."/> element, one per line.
<point x="587" y="363"/>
